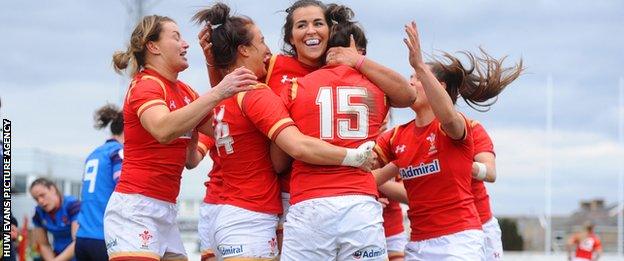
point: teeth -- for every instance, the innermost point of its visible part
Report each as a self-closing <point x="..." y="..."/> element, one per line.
<point x="312" y="42"/>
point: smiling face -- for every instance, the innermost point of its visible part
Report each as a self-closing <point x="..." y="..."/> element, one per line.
<point x="46" y="197"/>
<point x="171" y="47"/>
<point x="257" y="54"/>
<point x="310" y="33"/>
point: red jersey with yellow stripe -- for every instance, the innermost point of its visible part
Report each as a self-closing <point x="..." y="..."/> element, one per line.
<point x="341" y="106"/>
<point x="282" y="70"/>
<point x="214" y="185"/>
<point x="436" y="172"/>
<point x="244" y="126"/>
<point x="585" y="247"/>
<point x="482" y="143"/>
<point x="150" y="168"/>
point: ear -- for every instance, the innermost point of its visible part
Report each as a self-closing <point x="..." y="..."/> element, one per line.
<point x="153" y="48"/>
<point x="243" y="50"/>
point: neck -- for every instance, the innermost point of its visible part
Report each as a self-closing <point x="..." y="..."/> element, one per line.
<point x="164" y="71"/>
<point x="309" y="62"/>
<point x="118" y="138"/>
<point x="424" y="116"/>
<point x="240" y="62"/>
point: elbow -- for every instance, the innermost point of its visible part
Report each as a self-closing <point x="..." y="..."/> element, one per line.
<point x="297" y="152"/>
<point x="406" y="99"/>
<point x="163" y="138"/>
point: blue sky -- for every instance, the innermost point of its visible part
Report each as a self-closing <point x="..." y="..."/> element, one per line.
<point x="56" y="70"/>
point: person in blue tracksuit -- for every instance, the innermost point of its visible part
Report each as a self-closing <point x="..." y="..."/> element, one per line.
<point x="102" y="170"/>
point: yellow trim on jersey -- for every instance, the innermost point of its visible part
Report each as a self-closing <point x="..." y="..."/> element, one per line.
<point x="473" y="123"/>
<point x="133" y="254"/>
<point x="132" y="84"/>
<point x="149" y="103"/>
<point x="270" y="69"/>
<point x="293" y="89"/>
<point x="394" y="133"/>
<point x="203" y="149"/>
<point x="277" y="125"/>
<point x="381" y="154"/>
<point x="239" y="99"/>
<point x="162" y="85"/>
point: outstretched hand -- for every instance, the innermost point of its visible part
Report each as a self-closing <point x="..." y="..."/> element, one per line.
<point x="413" y="44"/>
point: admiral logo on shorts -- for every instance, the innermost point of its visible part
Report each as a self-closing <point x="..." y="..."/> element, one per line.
<point x="368" y="253"/>
<point x="420" y="170"/>
<point x="230" y="250"/>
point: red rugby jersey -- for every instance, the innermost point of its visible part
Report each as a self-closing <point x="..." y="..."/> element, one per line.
<point x="586" y="247"/>
<point x="482" y="143"/>
<point x="214" y="185"/>
<point x="150" y="168"/>
<point x="341" y="106"/>
<point x="282" y="69"/>
<point x="242" y="124"/>
<point x="436" y="173"/>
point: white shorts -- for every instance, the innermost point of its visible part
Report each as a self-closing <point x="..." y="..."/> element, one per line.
<point x="335" y="228"/>
<point x="140" y="226"/>
<point x="493" y="243"/>
<point x="465" y="245"/>
<point x="285" y="207"/>
<point x="396" y="243"/>
<point x="243" y="233"/>
<point x="205" y="227"/>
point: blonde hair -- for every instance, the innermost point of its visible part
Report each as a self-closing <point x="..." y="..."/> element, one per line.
<point x="148" y="29"/>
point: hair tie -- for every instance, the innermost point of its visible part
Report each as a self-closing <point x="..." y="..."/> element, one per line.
<point x="334" y="21"/>
<point x="215" y="26"/>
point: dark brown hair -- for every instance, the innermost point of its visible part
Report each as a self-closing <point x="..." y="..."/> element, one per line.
<point x="228" y="33"/>
<point x="148" y="29"/>
<point x="485" y="79"/>
<point x="288" y="48"/>
<point x="109" y="113"/>
<point x="343" y="27"/>
<point x="46" y="183"/>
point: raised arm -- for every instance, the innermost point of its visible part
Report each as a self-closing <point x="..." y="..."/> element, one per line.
<point x="204" y="41"/>
<point x="484" y="167"/>
<point x="452" y="122"/>
<point x="395" y="86"/>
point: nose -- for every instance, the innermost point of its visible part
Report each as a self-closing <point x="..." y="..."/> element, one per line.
<point x="185" y="45"/>
<point x="311" y="29"/>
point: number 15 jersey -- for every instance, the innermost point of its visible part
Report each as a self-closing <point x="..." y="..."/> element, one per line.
<point x="341" y="106"/>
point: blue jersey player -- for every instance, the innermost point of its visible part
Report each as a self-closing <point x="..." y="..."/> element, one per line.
<point x="54" y="214"/>
<point x="102" y="170"/>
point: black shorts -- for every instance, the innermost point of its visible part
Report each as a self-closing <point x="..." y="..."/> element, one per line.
<point x="88" y="249"/>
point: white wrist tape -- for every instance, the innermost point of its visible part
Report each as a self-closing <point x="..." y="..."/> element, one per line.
<point x="357" y="157"/>
<point x="482" y="171"/>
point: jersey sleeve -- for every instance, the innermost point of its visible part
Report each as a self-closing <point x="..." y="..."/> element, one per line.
<point x="204" y="144"/>
<point x="288" y="95"/>
<point x="266" y="111"/>
<point x="383" y="146"/>
<point x="145" y="94"/>
<point x="73" y="208"/>
<point x="482" y="141"/>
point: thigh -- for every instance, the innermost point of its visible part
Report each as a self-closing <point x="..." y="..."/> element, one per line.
<point x="361" y="233"/>
<point x="241" y="233"/>
<point x="310" y="232"/>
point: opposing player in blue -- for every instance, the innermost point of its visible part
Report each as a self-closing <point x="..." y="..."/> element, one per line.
<point x="55" y="214"/>
<point x="102" y="170"/>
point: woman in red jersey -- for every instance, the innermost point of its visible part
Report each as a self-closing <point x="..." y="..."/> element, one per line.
<point x="244" y="127"/>
<point x="434" y="153"/>
<point x="587" y="245"/>
<point x="161" y="117"/>
<point x="484" y="169"/>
